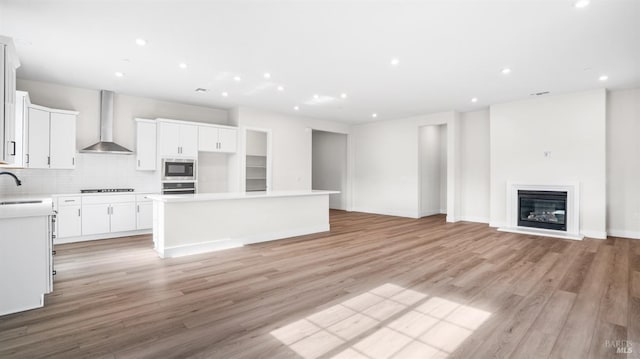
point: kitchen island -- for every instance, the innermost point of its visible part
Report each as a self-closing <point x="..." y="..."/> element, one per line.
<point x="203" y="222"/>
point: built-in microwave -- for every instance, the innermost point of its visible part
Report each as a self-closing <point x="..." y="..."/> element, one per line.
<point x="178" y="169"/>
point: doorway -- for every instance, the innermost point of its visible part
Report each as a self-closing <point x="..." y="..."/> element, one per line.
<point x="329" y="165"/>
<point x="433" y="169"/>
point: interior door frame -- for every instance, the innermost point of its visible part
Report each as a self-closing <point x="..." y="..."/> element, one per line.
<point x="243" y="157"/>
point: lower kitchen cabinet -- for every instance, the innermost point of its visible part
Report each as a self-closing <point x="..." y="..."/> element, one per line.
<point x="145" y="215"/>
<point x="123" y="217"/>
<point x="69" y="221"/>
<point x="96" y="218"/>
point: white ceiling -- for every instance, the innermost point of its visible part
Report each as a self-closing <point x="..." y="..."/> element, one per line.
<point x="449" y="51"/>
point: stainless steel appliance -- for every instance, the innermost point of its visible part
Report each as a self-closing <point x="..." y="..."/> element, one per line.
<point x="178" y="170"/>
<point x="106" y="190"/>
<point x="178" y="187"/>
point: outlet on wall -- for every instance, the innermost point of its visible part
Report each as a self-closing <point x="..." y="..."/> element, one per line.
<point x="547" y="154"/>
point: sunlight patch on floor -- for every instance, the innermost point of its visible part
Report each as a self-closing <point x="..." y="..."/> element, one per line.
<point x="386" y="322"/>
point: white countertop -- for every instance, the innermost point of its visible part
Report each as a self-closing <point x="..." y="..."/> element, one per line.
<point x="234" y="195"/>
<point x="43" y="207"/>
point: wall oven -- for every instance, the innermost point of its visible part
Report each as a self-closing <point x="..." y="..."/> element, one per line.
<point x="178" y="187"/>
<point x="178" y="169"/>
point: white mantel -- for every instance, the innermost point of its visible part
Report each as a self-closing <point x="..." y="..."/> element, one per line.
<point x="573" y="209"/>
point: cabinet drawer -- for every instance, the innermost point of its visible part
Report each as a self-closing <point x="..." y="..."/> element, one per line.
<point x="109" y="199"/>
<point x="69" y="201"/>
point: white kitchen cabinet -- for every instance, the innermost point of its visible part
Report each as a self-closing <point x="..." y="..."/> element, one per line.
<point x="51" y="138"/>
<point x="146" y="140"/>
<point x="37" y="155"/>
<point x="123" y="217"/>
<point x="62" y="145"/>
<point x="16" y="147"/>
<point x="217" y="139"/>
<point x="8" y="64"/>
<point x="145" y="215"/>
<point x="69" y="218"/>
<point x="108" y="214"/>
<point x="178" y="140"/>
<point x="96" y="218"/>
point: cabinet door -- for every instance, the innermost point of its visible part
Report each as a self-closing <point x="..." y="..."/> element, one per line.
<point x="146" y="146"/>
<point x="38" y="152"/>
<point x="95" y="218"/>
<point x="63" y="141"/>
<point x="189" y="140"/>
<point x="145" y="215"/>
<point x="123" y="217"/>
<point x="9" y="100"/>
<point x="169" y="140"/>
<point x="227" y="139"/>
<point x="69" y="221"/>
<point x="207" y="139"/>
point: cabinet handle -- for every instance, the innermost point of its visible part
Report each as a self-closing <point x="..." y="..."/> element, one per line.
<point x="27" y="158"/>
<point x="109" y="210"/>
<point x="73" y="161"/>
<point x="138" y="163"/>
<point x="138" y="208"/>
<point x="78" y="212"/>
<point x="14" y="148"/>
<point x="48" y="160"/>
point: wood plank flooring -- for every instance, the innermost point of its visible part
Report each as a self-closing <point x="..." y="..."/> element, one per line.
<point x="374" y="287"/>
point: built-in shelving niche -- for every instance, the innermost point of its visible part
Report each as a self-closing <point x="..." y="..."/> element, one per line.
<point x="256" y="173"/>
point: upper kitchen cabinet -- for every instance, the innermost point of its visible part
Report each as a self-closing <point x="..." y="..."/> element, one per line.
<point x="51" y="138"/>
<point x="146" y="141"/>
<point x="8" y="64"/>
<point x="16" y="148"/>
<point x="177" y="139"/>
<point x="217" y="139"/>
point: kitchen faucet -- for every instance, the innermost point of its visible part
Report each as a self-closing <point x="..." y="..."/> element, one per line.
<point x="18" y="182"/>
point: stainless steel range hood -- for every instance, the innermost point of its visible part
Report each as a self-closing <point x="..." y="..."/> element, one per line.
<point x="106" y="144"/>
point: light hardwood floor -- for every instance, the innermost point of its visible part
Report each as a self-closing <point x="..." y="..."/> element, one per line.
<point x="375" y="286"/>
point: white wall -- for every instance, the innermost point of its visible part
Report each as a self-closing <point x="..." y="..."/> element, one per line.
<point x="290" y="148"/>
<point x="573" y="128"/>
<point x="474" y="163"/>
<point x="329" y="165"/>
<point x="100" y="171"/>
<point x="623" y="163"/>
<point x="432" y="157"/>
<point x="386" y="166"/>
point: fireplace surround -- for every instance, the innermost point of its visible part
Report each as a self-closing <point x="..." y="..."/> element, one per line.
<point x="551" y="210"/>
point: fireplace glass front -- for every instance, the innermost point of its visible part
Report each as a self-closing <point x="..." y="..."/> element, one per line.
<point x="542" y="209"/>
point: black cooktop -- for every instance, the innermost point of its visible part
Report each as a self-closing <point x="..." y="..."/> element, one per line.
<point x="106" y="190"/>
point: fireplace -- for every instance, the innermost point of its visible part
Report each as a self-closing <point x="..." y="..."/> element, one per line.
<point x="542" y="209"/>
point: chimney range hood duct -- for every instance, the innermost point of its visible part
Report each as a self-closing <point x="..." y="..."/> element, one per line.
<point x="106" y="144"/>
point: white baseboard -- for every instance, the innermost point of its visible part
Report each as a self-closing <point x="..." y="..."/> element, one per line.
<point x="474" y="219"/>
<point x="623" y="233"/>
<point x="407" y="214"/>
<point x="228" y="243"/>
<point x="95" y="237"/>
<point x="430" y="212"/>
<point x="594" y="234"/>
<point x="541" y="232"/>
<point x="497" y="224"/>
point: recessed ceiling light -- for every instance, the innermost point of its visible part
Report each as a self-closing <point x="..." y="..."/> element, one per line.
<point x="316" y="96"/>
<point x="267" y="75"/>
<point x="141" y="42"/>
<point x="296" y="108"/>
<point x="119" y="74"/>
<point x="395" y="61"/>
<point x="374" y="115"/>
<point x="581" y="4"/>
<point x="200" y="89"/>
<point x="183" y="65"/>
<point x="280" y="88"/>
<point x="225" y="94"/>
<point x="237" y="78"/>
<point x="603" y="78"/>
<point x="474" y="100"/>
<point x="506" y="71"/>
<point x="343" y="95"/>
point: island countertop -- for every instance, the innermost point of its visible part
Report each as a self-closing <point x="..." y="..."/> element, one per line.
<point x="198" y="197"/>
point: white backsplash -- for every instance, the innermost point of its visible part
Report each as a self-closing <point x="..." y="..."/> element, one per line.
<point x="92" y="171"/>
